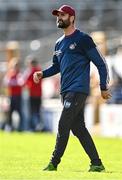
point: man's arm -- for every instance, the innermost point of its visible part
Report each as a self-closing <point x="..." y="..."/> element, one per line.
<point x="95" y="56"/>
<point x="52" y="70"/>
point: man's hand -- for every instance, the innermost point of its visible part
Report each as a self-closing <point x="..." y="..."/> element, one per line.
<point x="37" y="76"/>
<point x="106" y="94"/>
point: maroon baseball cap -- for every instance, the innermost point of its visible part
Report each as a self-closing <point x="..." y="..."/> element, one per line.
<point x="64" y="9"/>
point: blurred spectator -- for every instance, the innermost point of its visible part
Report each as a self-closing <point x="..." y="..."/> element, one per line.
<point x="35" y="95"/>
<point x="117" y="77"/>
<point x="95" y="98"/>
<point x="14" y="81"/>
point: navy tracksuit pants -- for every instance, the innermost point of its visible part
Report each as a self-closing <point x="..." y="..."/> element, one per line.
<point x="72" y="118"/>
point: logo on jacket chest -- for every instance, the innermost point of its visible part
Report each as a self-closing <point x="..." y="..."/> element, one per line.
<point x="72" y="46"/>
<point x="58" y="52"/>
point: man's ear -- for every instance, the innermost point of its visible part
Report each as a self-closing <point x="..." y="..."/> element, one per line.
<point x="72" y="18"/>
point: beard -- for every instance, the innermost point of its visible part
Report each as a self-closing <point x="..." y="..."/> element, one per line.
<point x="63" y="24"/>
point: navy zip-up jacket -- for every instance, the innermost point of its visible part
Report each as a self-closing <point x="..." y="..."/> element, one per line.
<point x="72" y="58"/>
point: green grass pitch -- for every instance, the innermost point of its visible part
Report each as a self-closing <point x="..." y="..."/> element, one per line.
<point x="24" y="155"/>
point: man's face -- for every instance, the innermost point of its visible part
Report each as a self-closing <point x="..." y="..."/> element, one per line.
<point x="63" y="20"/>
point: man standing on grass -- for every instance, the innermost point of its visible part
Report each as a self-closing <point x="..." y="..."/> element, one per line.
<point x="72" y="56"/>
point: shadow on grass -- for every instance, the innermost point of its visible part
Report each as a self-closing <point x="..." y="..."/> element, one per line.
<point x="106" y="172"/>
